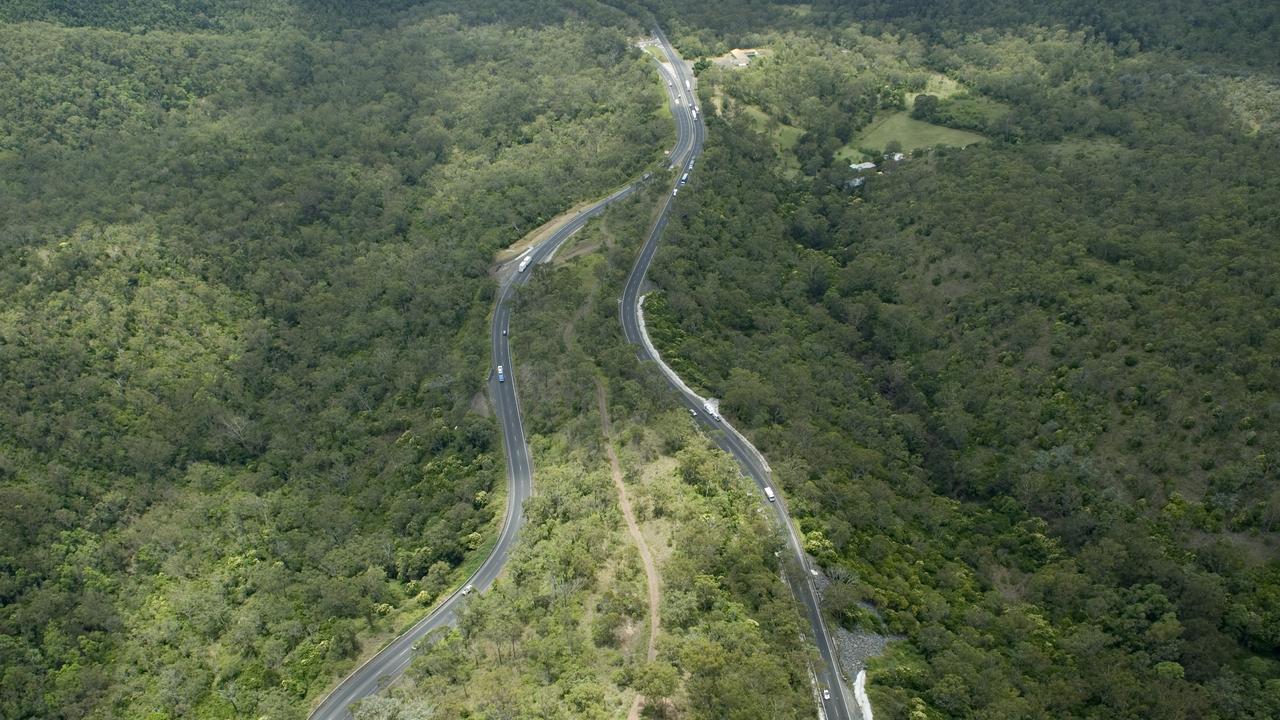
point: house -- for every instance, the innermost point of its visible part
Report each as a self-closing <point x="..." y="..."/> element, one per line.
<point x="862" y="166"/>
<point x="743" y="57"/>
<point x="896" y="157"/>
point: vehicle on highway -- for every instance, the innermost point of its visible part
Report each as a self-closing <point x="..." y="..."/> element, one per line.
<point x="674" y="191"/>
<point x="501" y="375"/>
<point x="686" y="85"/>
<point x="525" y="262"/>
<point x="468" y="590"/>
<point x="768" y="492"/>
<point x="695" y="112"/>
<point x="693" y="412"/>
<point x="504" y="331"/>
<point x="826" y="694"/>
<point x="711" y="410"/>
<point x="684" y="179"/>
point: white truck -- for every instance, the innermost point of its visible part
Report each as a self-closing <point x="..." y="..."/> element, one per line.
<point x="695" y="113"/>
<point x="712" y="410"/>
<point x="525" y="262"/>
<point x="768" y="492"/>
<point x="502" y="376"/>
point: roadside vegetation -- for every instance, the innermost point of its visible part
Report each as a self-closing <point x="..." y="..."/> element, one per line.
<point x="244" y="267"/>
<point x="563" y="634"/>
<point x="1024" y="392"/>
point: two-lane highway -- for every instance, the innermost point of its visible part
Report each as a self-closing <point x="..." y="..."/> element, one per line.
<point x="751" y="461"/>
<point x="388" y="664"/>
<point x="382" y="669"/>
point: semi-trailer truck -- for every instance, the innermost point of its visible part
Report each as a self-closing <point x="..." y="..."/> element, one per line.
<point x="525" y="262"/>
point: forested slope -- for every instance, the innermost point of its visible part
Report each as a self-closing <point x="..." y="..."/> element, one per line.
<point x="245" y="268"/>
<point x="563" y="633"/>
<point x="1242" y="32"/>
<point x="1024" y="391"/>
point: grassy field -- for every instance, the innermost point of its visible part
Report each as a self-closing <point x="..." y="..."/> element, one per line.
<point x="785" y="136"/>
<point x="910" y="132"/>
<point x="939" y="85"/>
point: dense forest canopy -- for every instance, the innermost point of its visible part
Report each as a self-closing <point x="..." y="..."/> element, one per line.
<point x="1024" y="391"/>
<point x="1242" y="32"/>
<point x="561" y="635"/>
<point x="246" y="276"/>
<point x="1020" y="386"/>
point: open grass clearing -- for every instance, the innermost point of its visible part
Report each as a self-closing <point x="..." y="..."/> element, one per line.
<point x="912" y="133"/>
<point x="784" y="136"/>
<point x="938" y="85"/>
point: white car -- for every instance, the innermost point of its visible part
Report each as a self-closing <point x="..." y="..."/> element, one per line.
<point x="693" y="412"/>
<point x="468" y="590"/>
<point x="826" y="694"/>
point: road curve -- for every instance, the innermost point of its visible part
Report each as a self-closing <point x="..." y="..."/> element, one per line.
<point x="382" y="669"/>
<point x="731" y="441"/>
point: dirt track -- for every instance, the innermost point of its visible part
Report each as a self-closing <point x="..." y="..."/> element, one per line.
<point x="650" y="569"/>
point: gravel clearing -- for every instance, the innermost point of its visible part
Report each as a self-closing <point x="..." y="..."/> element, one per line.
<point x="853" y="647"/>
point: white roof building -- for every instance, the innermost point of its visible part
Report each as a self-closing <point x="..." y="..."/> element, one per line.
<point x="860" y="167"/>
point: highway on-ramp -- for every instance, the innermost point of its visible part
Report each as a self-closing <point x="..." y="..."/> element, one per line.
<point x="731" y="441"/>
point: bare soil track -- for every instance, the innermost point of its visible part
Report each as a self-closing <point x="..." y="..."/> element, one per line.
<point x="646" y="558"/>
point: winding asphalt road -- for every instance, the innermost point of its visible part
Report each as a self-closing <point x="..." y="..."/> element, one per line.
<point x="732" y="442"/>
<point x="382" y="669"/>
